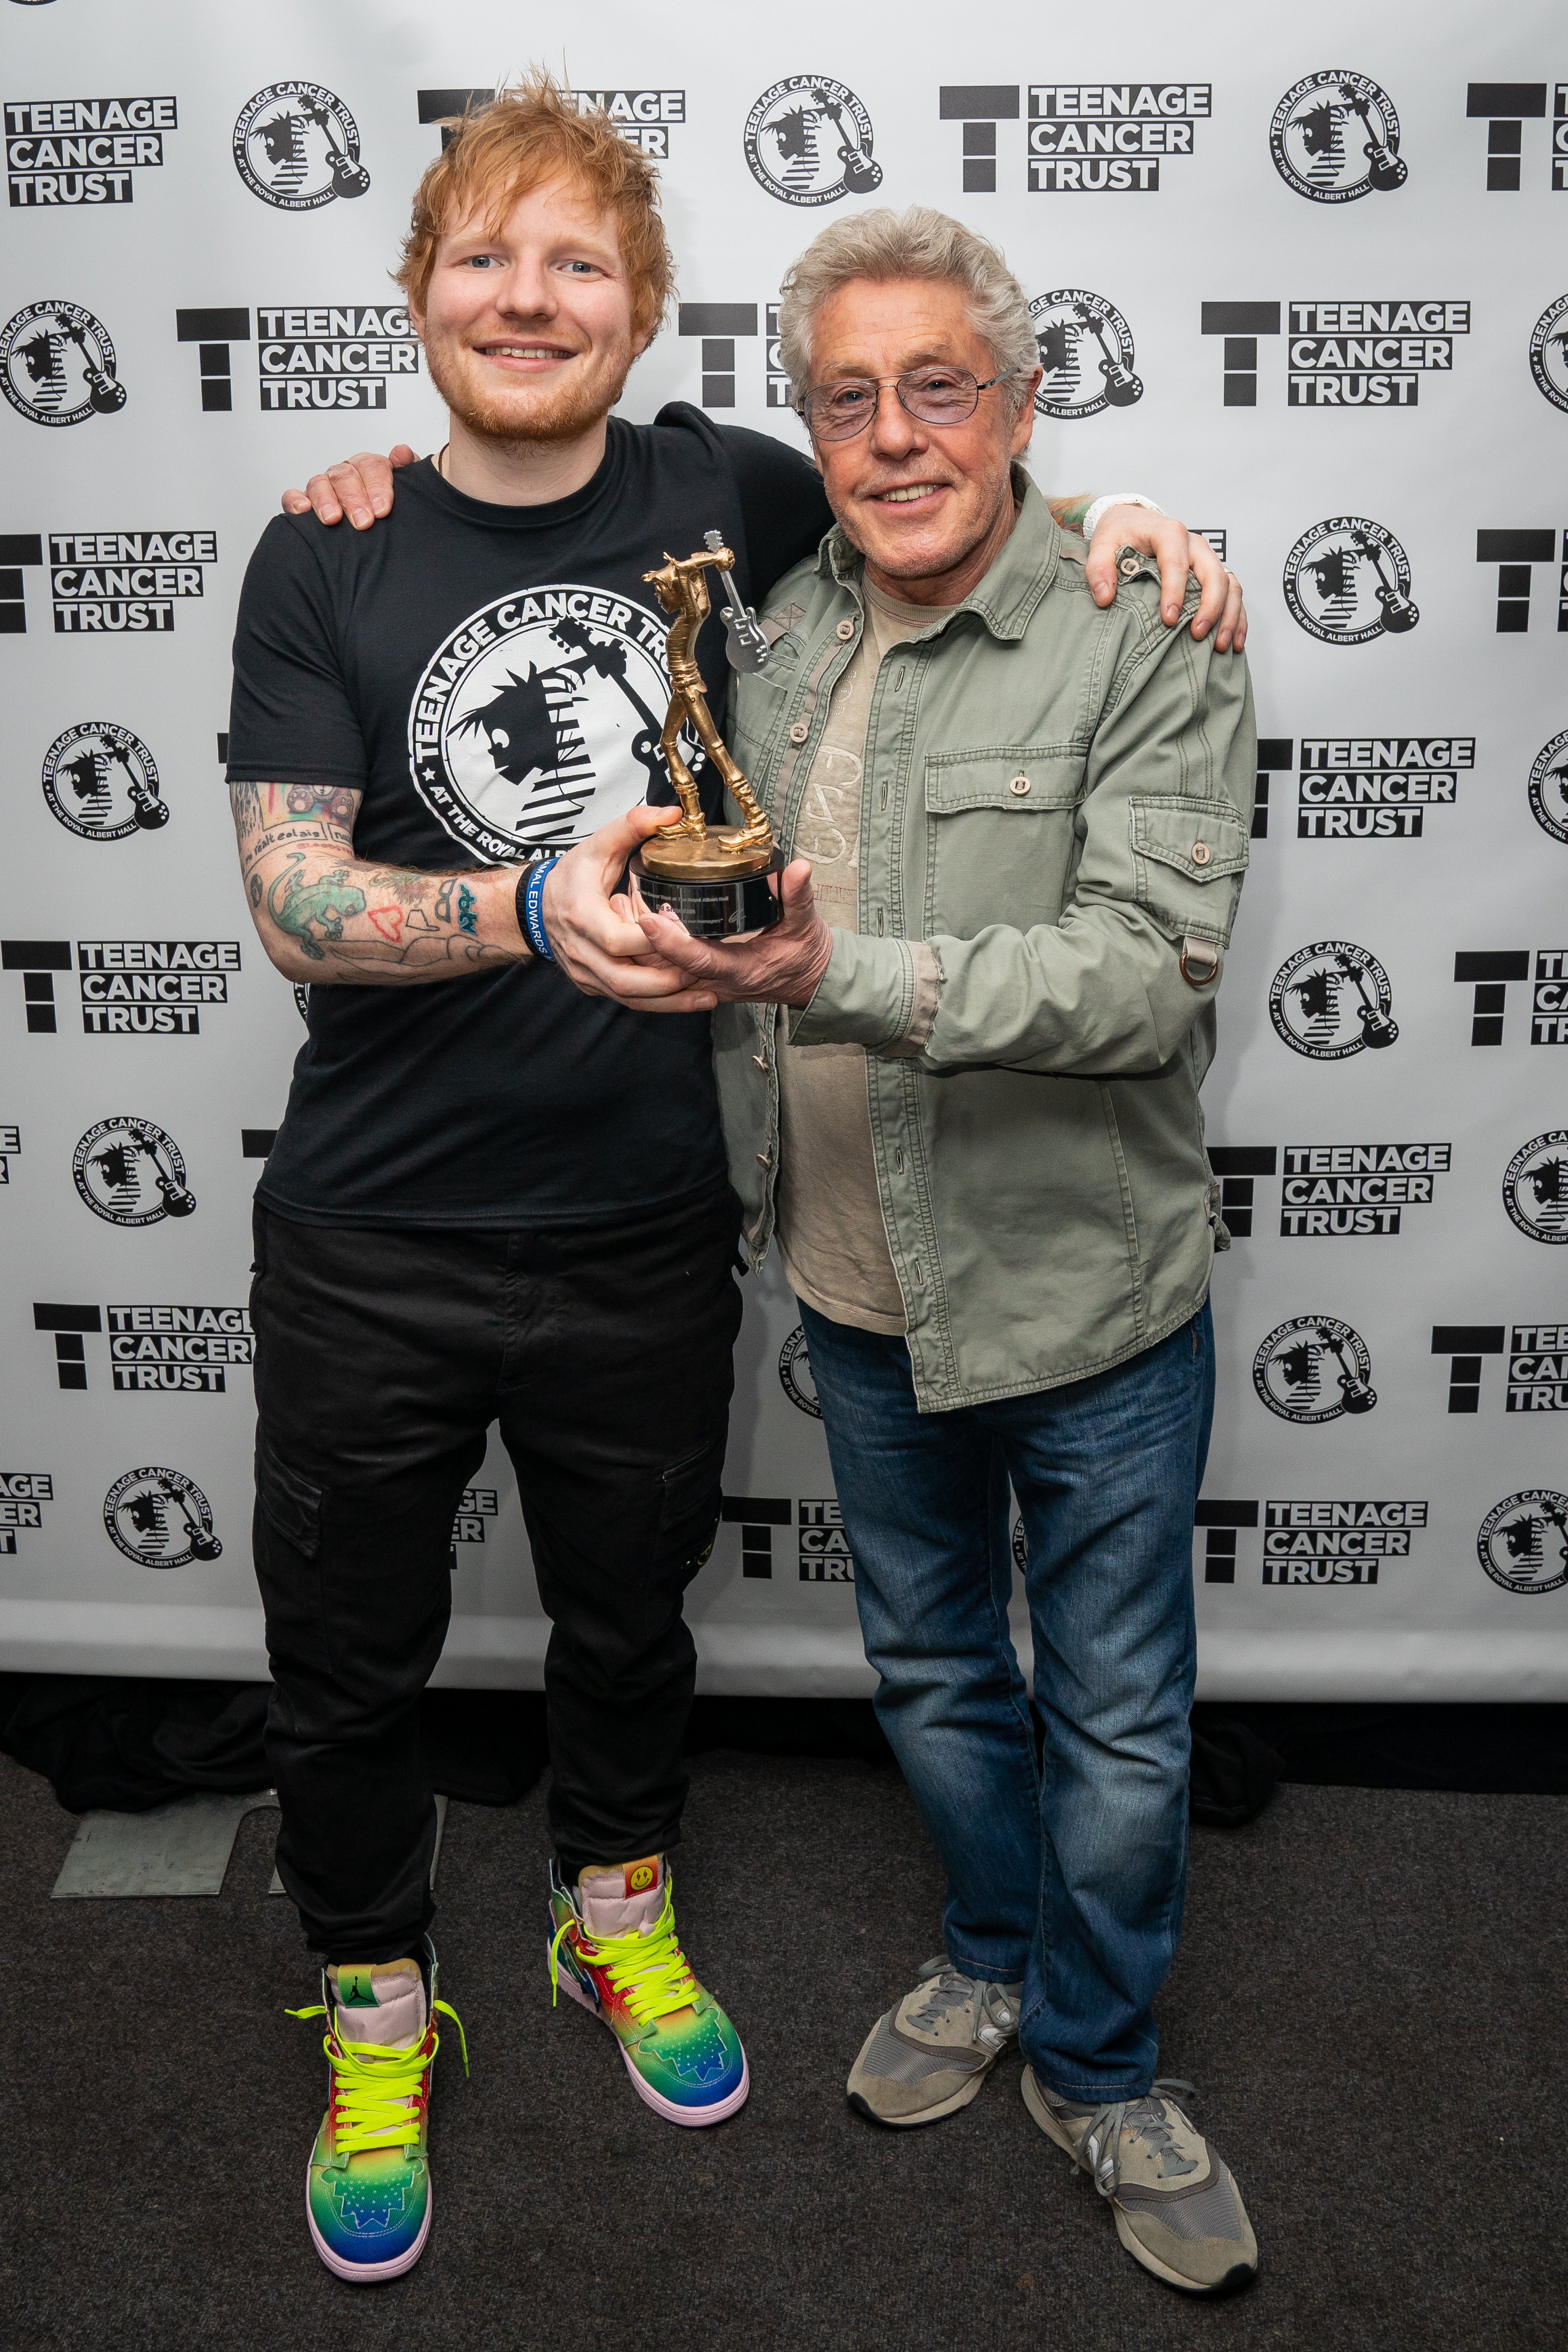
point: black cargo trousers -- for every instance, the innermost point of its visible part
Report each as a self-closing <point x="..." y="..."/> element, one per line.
<point x="381" y="1359"/>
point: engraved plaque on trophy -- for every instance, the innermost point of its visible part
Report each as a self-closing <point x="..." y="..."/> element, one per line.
<point x="719" y="879"/>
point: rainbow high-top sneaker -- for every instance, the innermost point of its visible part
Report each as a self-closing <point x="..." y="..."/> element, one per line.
<point x="615" y="1950"/>
<point x="367" y="2192"/>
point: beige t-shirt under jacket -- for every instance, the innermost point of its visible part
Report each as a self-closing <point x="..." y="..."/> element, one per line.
<point x="831" y="1232"/>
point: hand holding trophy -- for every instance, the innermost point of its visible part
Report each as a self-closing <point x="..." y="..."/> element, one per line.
<point x="715" y="878"/>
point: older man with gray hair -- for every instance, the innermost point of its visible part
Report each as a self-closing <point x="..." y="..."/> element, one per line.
<point x="975" y="1134"/>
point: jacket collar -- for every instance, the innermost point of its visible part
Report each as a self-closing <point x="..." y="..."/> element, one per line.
<point x="1010" y="594"/>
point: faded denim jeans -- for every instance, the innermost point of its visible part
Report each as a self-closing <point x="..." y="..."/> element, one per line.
<point x="1070" y="1872"/>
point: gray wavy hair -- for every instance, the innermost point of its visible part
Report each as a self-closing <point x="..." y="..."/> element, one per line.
<point x="921" y="243"/>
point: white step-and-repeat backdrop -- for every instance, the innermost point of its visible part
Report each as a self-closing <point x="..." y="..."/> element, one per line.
<point x="1302" y="277"/>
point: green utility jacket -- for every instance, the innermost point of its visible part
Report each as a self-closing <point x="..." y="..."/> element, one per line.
<point x="1053" y="801"/>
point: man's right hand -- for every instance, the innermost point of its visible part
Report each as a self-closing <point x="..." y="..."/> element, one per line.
<point x="596" y="942"/>
<point x="360" y="486"/>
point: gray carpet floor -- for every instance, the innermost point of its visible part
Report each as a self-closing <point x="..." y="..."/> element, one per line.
<point x="1370" y="1997"/>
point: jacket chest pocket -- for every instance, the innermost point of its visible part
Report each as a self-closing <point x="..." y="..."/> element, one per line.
<point x="1000" y="834"/>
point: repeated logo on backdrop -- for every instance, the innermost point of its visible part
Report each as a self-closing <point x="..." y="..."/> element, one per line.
<point x="1347" y="580"/>
<point x="795" y="1374"/>
<point x="1549" y="352"/>
<point x="160" y="1519"/>
<point x="1535" y="1187"/>
<point x="1522" y="1542"/>
<point x="808" y="141"/>
<point x="1109" y="138"/>
<point x="57" y="366"/>
<point x="123" y="583"/>
<point x="297" y="146"/>
<point x="61" y="153"/>
<point x="1086" y="353"/>
<point x="1376" y="787"/>
<point x="1336" y="137"/>
<point x="129" y="1172"/>
<point x="1331" y="1000"/>
<point x="23" y="1493"/>
<point x="101" y="782"/>
<point x="1313" y="1369"/>
<point x="1549" y="787"/>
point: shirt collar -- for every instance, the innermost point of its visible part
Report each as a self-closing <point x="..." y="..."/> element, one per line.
<point x="1008" y="595"/>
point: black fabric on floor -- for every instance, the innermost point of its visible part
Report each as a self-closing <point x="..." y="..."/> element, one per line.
<point x="130" y="1744"/>
<point x="1368" y="1996"/>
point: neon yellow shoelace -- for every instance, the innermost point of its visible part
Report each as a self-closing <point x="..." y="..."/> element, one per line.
<point x="648" y="1971"/>
<point x="377" y="2092"/>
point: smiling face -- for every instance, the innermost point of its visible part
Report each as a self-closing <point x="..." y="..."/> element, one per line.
<point x="929" y="506"/>
<point x="527" y="330"/>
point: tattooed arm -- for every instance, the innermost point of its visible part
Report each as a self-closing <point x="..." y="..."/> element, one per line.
<point x="324" y="914"/>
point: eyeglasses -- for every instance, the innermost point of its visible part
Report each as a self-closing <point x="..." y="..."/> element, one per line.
<point x="936" y="396"/>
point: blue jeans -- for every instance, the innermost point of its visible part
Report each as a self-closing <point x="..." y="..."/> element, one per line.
<point x="1069" y="1873"/>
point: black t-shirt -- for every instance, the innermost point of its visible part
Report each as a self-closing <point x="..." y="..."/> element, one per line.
<point x="492" y="679"/>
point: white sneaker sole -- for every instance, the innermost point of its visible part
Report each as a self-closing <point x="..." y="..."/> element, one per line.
<point x="698" y="2118"/>
<point x="367" y="2274"/>
<point x="1035" y="2101"/>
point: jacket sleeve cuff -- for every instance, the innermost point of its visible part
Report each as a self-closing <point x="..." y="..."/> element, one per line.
<point x="866" y="996"/>
<point x="922" y="1014"/>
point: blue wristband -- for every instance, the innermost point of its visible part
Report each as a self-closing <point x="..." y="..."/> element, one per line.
<point x="531" y="909"/>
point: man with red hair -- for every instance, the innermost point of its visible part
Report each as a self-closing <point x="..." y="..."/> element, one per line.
<point x="504" y="1200"/>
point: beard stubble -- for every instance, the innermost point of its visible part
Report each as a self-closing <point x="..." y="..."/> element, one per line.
<point x="563" y="413"/>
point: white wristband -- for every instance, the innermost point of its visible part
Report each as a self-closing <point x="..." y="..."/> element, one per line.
<point x="1101" y="507"/>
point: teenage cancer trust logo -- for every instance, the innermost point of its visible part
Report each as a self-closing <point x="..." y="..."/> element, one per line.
<point x="128" y="1172"/>
<point x="160" y="1519"/>
<point x="1313" y="1369"/>
<point x="1535" y="1186"/>
<point x="1522" y="1542"/>
<point x="539" y="719"/>
<point x="1331" y="1000"/>
<point x="1336" y="137"/>
<point x="101" y="783"/>
<point x="297" y="146"/>
<point x="809" y="141"/>
<point x="795" y="1374"/>
<point x="1086" y="351"/>
<point x="1549" y="787"/>
<point x="1549" y="352"/>
<point x="56" y="365"/>
<point x="1347" y="580"/>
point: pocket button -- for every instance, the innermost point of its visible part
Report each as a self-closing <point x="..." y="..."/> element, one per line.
<point x="1020" y="785"/>
<point x="1201" y="853"/>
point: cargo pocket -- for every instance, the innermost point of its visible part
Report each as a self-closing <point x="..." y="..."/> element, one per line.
<point x="689" y="1501"/>
<point x="290" y="1502"/>
<point x="1188" y="858"/>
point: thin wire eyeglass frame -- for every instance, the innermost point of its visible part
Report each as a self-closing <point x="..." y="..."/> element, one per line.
<point x="863" y="383"/>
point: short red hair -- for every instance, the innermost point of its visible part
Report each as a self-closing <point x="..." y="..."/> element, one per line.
<point x="516" y="142"/>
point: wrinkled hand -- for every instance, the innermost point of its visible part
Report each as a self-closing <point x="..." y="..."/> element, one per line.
<point x="781" y="966"/>
<point x="360" y="486"/>
<point x="1177" y="552"/>
<point x="596" y="942"/>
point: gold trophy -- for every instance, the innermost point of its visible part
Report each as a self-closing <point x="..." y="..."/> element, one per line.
<point x="716" y="878"/>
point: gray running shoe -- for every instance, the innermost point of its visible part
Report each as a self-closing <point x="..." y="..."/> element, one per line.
<point x="929" y="2055"/>
<point x="1179" y="2211"/>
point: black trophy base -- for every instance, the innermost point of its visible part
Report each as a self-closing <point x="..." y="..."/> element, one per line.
<point x="715" y="906"/>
